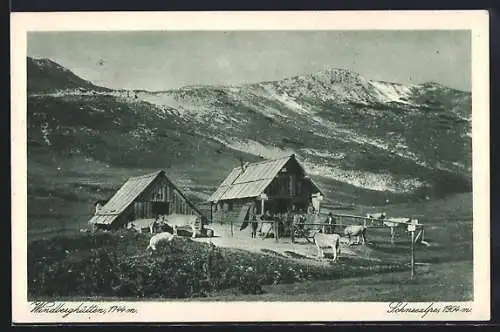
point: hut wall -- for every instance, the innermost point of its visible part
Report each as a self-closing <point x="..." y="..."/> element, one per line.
<point x="163" y="192"/>
<point x="225" y="211"/>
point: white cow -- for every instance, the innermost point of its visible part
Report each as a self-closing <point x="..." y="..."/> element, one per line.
<point x="356" y="230"/>
<point x="327" y="240"/>
<point x="180" y="220"/>
<point x="160" y="237"/>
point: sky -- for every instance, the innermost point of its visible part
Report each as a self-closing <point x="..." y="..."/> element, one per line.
<point x="162" y="60"/>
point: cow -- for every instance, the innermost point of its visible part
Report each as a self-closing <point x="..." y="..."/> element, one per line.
<point x="160" y="237"/>
<point x="327" y="240"/>
<point x="356" y="230"/>
<point x="184" y="221"/>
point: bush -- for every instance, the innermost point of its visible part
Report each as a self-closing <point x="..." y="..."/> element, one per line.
<point x="117" y="265"/>
<point x="249" y="282"/>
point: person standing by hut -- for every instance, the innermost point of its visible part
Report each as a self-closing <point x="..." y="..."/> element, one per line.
<point x="330" y="221"/>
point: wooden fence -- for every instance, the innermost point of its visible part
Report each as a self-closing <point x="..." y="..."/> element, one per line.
<point x="417" y="231"/>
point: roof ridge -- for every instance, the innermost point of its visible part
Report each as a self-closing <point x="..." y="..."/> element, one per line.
<point x="267" y="161"/>
<point x="273" y="163"/>
<point x="146" y="175"/>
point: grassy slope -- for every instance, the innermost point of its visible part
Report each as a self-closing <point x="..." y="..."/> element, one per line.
<point x="91" y="264"/>
<point x="441" y="282"/>
<point x="449" y="277"/>
<point x="444" y="282"/>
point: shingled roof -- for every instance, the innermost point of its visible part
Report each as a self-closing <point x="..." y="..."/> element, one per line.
<point x="252" y="181"/>
<point x="126" y="195"/>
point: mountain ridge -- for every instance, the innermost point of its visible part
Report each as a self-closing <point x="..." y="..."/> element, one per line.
<point x="326" y="68"/>
<point x="374" y="135"/>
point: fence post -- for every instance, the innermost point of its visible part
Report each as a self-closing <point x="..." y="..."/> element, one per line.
<point x="232" y="234"/>
<point x="276" y="229"/>
<point x="293" y="231"/>
<point x="412" y="254"/>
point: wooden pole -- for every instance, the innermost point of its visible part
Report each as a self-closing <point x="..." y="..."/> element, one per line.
<point x="276" y="229"/>
<point x="293" y="230"/>
<point x="412" y="254"/>
<point x="232" y="234"/>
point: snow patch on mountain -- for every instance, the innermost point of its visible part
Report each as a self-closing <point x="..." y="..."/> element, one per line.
<point x="391" y="92"/>
<point x="324" y="153"/>
<point x="288" y="101"/>
<point x="265" y="110"/>
<point x="363" y="179"/>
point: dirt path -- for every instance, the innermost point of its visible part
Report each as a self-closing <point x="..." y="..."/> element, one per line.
<point x="302" y="250"/>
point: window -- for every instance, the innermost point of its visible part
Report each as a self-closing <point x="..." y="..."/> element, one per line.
<point x="159" y="194"/>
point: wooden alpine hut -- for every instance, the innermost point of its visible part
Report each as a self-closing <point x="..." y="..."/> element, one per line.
<point x="144" y="198"/>
<point x="276" y="185"/>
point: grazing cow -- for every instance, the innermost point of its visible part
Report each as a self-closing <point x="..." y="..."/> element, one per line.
<point x="160" y="237"/>
<point x="356" y="230"/>
<point x="327" y="240"/>
<point x="184" y="221"/>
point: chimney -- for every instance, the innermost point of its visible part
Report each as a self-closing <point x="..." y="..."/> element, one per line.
<point x="98" y="207"/>
<point x="243" y="165"/>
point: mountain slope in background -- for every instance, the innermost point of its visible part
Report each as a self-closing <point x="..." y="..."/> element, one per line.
<point x="375" y="135"/>
<point x="355" y="136"/>
<point x="45" y="75"/>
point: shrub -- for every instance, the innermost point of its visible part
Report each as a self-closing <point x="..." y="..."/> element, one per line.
<point x="117" y="265"/>
<point x="249" y="282"/>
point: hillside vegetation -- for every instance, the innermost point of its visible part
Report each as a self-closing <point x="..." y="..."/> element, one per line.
<point x="107" y="265"/>
<point x="362" y="141"/>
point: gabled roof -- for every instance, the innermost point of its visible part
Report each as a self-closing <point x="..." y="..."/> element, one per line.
<point x="127" y="194"/>
<point x="252" y="181"/>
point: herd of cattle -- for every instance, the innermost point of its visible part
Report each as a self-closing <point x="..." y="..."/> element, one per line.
<point x="333" y="240"/>
<point x="165" y="229"/>
<point x="323" y="233"/>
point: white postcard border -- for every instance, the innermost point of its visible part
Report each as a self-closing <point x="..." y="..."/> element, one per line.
<point x="179" y="311"/>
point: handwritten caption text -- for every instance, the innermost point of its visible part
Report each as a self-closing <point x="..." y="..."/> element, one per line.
<point x="66" y="309"/>
<point x="427" y="309"/>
